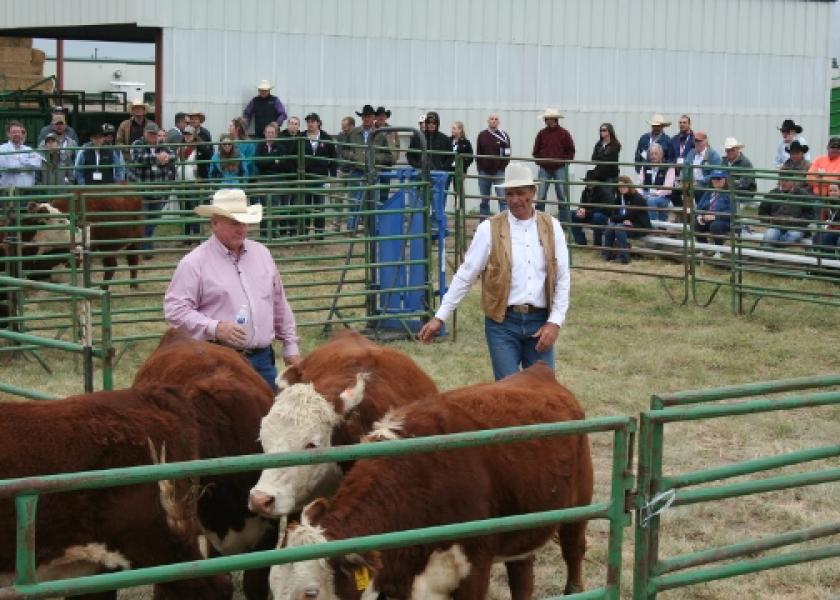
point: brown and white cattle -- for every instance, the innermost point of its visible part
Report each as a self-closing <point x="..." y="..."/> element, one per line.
<point x="99" y="211"/>
<point x="190" y="400"/>
<point x="385" y="494"/>
<point x="331" y="398"/>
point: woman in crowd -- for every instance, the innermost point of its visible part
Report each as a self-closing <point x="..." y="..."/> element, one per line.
<point x="228" y="164"/>
<point x="239" y="134"/>
<point x="187" y="156"/>
<point x="606" y="150"/>
<point x="270" y="163"/>
<point x="460" y="145"/>
<point x="627" y="219"/>
<point x="289" y="142"/>
<point x="656" y="182"/>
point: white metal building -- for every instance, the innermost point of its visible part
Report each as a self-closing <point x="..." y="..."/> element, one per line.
<point x="737" y="67"/>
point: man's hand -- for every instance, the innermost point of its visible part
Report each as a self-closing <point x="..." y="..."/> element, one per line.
<point x="231" y="334"/>
<point x="292" y="359"/>
<point x="430" y="330"/>
<point x="547" y="335"/>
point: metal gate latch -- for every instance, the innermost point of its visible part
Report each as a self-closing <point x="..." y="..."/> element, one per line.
<point x="657" y="505"/>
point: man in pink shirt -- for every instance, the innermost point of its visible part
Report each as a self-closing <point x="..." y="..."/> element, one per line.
<point x="228" y="291"/>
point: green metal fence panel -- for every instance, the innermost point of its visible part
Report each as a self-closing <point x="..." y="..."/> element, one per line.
<point x="27" y="491"/>
<point x="657" y="492"/>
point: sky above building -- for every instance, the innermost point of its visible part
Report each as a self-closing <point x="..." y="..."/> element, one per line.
<point x="99" y="50"/>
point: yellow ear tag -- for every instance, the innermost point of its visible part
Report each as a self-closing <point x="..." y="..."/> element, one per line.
<point x="362" y="576"/>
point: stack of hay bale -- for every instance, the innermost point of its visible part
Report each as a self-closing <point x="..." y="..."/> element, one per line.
<point x="21" y="65"/>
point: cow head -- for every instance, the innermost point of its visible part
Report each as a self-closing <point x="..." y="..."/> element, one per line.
<point x="300" y="419"/>
<point x="57" y="235"/>
<point x="345" y="578"/>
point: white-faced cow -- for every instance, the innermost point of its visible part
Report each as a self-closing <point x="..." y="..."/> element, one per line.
<point x="331" y="398"/>
<point x="190" y="400"/>
<point x="379" y="495"/>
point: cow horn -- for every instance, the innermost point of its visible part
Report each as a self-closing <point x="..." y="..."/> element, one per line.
<point x="353" y="396"/>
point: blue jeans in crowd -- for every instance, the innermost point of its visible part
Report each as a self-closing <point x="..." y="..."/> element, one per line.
<point x="486" y="183"/>
<point x="829" y="240"/>
<point x="593" y="218"/>
<point x="785" y="236"/>
<point x="263" y="363"/>
<point x="356" y="197"/>
<point x="511" y="343"/>
<point x="151" y="208"/>
<point x="561" y="190"/>
<point x="617" y="234"/>
<point x="654" y="201"/>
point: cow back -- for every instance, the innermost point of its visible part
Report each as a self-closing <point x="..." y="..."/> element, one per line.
<point x="98" y="209"/>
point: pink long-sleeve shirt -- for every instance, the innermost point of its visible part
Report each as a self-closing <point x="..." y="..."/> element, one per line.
<point x="212" y="284"/>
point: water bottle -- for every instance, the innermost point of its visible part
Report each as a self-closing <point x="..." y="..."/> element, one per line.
<point x="242" y="315"/>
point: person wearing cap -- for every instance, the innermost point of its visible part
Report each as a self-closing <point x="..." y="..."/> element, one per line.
<point x="96" y="164"/>
<point x="656" y="135"/>
<point x="357" y="154"/>
<point x="318" y="162"/>
<point x="825" y="168"/>
<point x="421" y="121"/>
<point x="742" y="182"/>
<point x="553" y="149"/>
<point x="204" y="140"/>
<point x="712" y="214"/>
<point x="57" y="110"/>
<point x="380" y="120"/>
<point x="175" y="135"/>
<point x="18" y="162"/>
<point x="790" y="132"/>
<point x="264" y="108"/>
<point x="787" y="210"/>
<point x="521" y="256"/>
<point x="133" y="128"/>
<point x="437" y="144"/>
<point x="798" y="164"/>
<point x="227" y="290"/>
<point x="593" y="208"/>
<point x="151" y="163"/>
<point x="66" y="144"/>
<point x="493" y="150"/>
<point x="52" y="173"/>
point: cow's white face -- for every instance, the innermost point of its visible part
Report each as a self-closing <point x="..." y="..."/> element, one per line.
<point x="300" y="419"/>
<point x="304" y="580"/>
<point x="51" y="239"/>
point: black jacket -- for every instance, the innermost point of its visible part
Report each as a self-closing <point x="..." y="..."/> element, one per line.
<point x="606" y="154"/>
<point x="434" y="141"/>
<point x="289" y="147"/>
<point x="321" y="160"/>
<point x="630" y="207"/>
<point x="780" y="207"/>
<point x="463" y="146"/>
<point x="270" y="160"/>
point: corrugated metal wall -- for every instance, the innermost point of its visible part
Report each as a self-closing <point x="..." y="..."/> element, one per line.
<point x="738" y="67"/>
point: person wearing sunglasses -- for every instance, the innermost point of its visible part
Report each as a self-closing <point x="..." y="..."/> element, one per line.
<point x="699" y="162"/>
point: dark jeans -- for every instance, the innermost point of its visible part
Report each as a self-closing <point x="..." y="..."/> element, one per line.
<point x="593" y="218"/>
<point x="716" y="228"/>
<point x="263" y="363"/>
<point x="618" y="234"/>
<point x="511" y="342"/>
<point x="151" y="208"/>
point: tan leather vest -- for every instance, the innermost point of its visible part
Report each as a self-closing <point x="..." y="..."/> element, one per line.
<point x="496" y="278"/>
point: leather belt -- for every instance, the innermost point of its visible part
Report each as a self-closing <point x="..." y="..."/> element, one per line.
<point x="524" y="309"/>
<point x="242" y="351"/>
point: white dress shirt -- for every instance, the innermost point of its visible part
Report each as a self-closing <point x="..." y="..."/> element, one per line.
<point x="528" y="271"/>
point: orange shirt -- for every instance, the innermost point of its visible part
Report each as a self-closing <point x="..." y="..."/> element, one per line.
<point x="823" y="169"/>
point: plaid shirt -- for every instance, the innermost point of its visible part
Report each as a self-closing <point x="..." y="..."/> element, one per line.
<point x="145" y="166"/>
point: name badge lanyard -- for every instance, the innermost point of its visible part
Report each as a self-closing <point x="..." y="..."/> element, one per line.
<point x="504" y="140"/>
<point x="97" y="174"/>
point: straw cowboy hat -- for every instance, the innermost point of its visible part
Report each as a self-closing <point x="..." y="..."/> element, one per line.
<point x="730" y="143"/>
<point x="517" y="174"/>
<point x="658" y="119"/>
<point x="551" y="113"/>
<point x="264" y="85"/>
<point x="232" y="204"/>
<point x="137" y="102"/>
<point x="195" y="111"/>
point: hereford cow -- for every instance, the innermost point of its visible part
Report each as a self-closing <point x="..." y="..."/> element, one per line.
<point x="385" y="494"/>
<point x="107" y="238"/>
<point x="190" y="400"/>
<point x="54" y="236"/>
<point x="331" y="398"/>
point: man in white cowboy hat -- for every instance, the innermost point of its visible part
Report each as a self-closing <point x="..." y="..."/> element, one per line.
<point x="656" y="135"/>
<point x="264" y="108"/>
<point x="131" y="130"/>
<point x="553" y="149"/>
<point x="523" y="262"/>
<point x="742" y="182"/>
<point x="228" y="290"/>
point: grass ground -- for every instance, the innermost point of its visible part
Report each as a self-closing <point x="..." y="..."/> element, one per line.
<point x="623" y="341"/>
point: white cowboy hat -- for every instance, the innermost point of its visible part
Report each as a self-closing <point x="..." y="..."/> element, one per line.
<point x="551" y="113"/>
<point x="731" y="142"/>
<point x="517" y="174"/>
<point x="232" y="204"/>
<point x="138" y="102"/>
<point x="264" y="85"/>
<point x="658" y="119"/>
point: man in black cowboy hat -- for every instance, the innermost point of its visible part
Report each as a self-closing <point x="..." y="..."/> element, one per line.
<point x="381" y="120"/>
<point x="357" y="153"/>
<point x="797" y="163"/>
<point x="791" y="132"/>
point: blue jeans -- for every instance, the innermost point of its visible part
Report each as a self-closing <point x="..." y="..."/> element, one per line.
<point x="263" y="363"/>
<point x="786" y="236"/>
<point x="654" y="201"/>
<point x="617" y="234"/>
<point x="356" y="197"/>
<point x="829" y="240"/>
<point x="593" y="217"/>
<point x="561" y="190"/>
<point x="511" y="343"/>
<point x="486" y="183"/>
<point x="152" y="208"/>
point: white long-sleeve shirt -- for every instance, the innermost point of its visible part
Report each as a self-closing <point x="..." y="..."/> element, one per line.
<point x="18" y="165"/>
<point x="528" y="270"/>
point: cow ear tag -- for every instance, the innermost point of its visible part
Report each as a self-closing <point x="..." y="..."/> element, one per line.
<point x="362" y="576"/>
